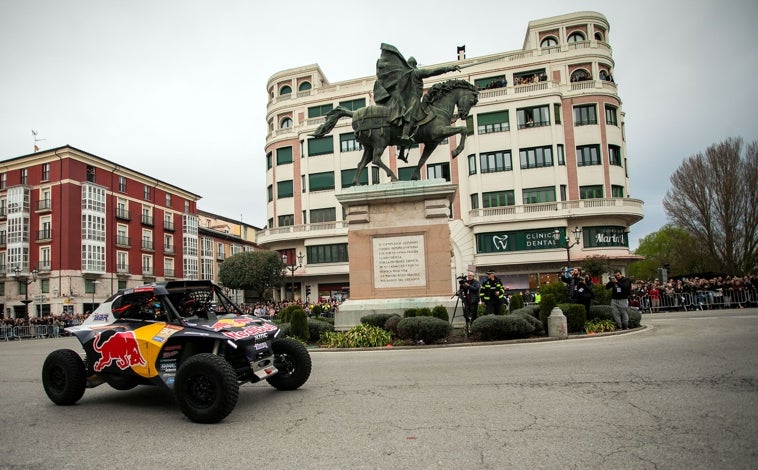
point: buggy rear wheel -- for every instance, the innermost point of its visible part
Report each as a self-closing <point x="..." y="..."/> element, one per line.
<point x="64" y="377"/>
<point x="206" y="388"/>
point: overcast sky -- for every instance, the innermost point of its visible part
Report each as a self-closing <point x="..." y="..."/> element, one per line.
<point x="177" y="89"/>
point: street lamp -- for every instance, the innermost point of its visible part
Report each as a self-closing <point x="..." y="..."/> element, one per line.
<point x="567" y="244"/>
<point x="292" y="268"/>
<point x="26" y="281"/>
<point x="94" y="286"/>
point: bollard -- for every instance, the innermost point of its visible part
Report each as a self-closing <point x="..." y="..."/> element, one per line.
<point x="556" y="324"/>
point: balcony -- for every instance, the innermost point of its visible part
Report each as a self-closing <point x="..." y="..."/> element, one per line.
<point x="45" y="235"/>
<point x="123" y="242"/>
<point x="626" y="208"/>
<point x="168" y="226"/>
<point x="44" y="266"/>
<point x="3" y="239"/>
<point x="122" y="269"/>
<point x="220" y="256"/>
<point x="43" y="205"/>
<point x="147" y="220"/>
<point x="123" y="214"/>
<point x="3" y="213"/>
<point x="304" y="231"/>
<point x="148" y="245"/>
<point x="147" y="271"/>
<point x="168" y="249"/>
<point x="168" y="273"/>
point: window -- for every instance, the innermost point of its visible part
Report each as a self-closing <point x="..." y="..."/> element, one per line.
<point x="270" y="191"/>
<point x="496" y="161"/>
<point x="168" y="242"/>
<point x="285" y="90"/>
<point x="168" y="199"/>
<point x="354" y="105"/>
<point x="617" y="191"/>
<point x="25" y="175"/>
<point x="284" y="189"/>
<point x="498" y="81"/>
<point x="549" y="41"/>
<point x="533" y="117"/>
<point x="591" y="192"/>
<point x="557" y="113"/>
<point x="122" y="184"/>
<point x="438" y="171"/>
<point x="304" y="86"/>
<point x="563" y="192"/>
<point x="498" y="199"/>
<point x="492" y="122"/>
<point x="321" y="181"/>
<point x="147" y="265"/>
<point x="286" y="220"/>
<point x="286" y="123"/>
<point x="3" y="180"/>
<point x="348" y="142"/>
<point x="269" y="160"/>
<point x="146" y="192"/>
<point x="318" y="111"/>
<point x="283" y="155"/>
<point x="614" y="155"/>
<point x="375" y="175"/>
<point x="335" y="253"/>
<point x="474" y="201"/>
<point x="588" y="155"/>
<point x="45" y="172"/>
<point x="347" y="176"/>
<point x="406" y="173"/>
<point x="470" y="124"/>
<point x="537" y="157"/>
<point x="580" y="75"/>
<point x="585" y="115"/>
<point x="576" y="37"/>
<point x="538" y="195"/>
<point x="561" y="155"/>
<point x="529" y="76"/>
<point x="90" y="174"/>
<point x="472" y="164"/>
<point x="327" y="214"/>
<point x="320" y="146"/>
<point x="611" y="113"/>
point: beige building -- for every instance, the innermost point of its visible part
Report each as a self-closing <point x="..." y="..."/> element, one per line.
<point x="544" y="162"/>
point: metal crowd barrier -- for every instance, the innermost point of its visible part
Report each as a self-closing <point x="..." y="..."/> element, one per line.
<point x="699" y="300"/>
<point x="8" y="333"/>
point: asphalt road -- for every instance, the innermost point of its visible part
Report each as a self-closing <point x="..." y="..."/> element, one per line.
<point x="679" y="394"/>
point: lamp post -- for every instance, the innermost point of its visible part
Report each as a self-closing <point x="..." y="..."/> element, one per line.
<point x="292" y="268"/>
<point x="94" y="286"/>
<point x="26" y="281"/>
<point x="567" y="244"/>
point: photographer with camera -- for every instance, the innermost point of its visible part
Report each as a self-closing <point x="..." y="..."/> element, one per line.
<point x="573" y="279"/>
<point x="492" y="293"/>
<point x="468" y="291"/>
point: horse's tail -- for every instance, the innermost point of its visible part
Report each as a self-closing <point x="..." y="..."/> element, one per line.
<point x="331" y="120"/>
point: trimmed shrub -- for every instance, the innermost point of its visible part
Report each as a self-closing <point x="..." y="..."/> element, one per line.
<point x="410" y="313"/>
<point x="517" y="302"/>
<point x="391" y="323"/>
<point x="440" y="312"/>
<point x="480" y="309"/>
<point x="316" y="310"/>
<point x="285" y="314"/>
<point x="376" y="319"/>
<point x="316" y="327"/>
<point x="539" y="327"/>
<point x="285" y="328"/>
<point x="497" y="327"/>
<point x="576" y="317"/>
<point x="424" y="312"/>
<point x="532" y="310"/>
<point x="546" y="306"/>
<point x="359" y="336"/>
<point x="427" y="329"/>
<point x="299" y="324"/>
<point x="557" y="289"/>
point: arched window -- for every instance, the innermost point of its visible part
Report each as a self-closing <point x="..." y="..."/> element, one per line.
<point x="549" y="41"/>
<point x="576" y="37"/>
<point x="580" y="75"/>
<point x="285" y="90"/>
<point x="286" y="122"/>
<point x="305" y="86"/>
<point x="598" y="36"/>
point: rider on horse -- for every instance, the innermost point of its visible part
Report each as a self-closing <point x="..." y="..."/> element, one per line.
<point x="399" y="85"/>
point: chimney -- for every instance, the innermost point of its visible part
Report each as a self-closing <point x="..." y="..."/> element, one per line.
<point x="461" y="52"/>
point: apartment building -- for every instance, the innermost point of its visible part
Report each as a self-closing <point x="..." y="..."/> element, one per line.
<point x="542" y="183"/>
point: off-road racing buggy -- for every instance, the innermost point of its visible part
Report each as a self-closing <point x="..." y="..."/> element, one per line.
<point x="186" y="336"/>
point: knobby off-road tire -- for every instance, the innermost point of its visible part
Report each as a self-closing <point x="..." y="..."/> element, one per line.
<point x="294" y="364"/>
<point x="206" y="388"/>
<point x="64" y="377"/>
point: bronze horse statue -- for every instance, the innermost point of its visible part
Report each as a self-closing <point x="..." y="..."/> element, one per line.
<point x="374" y="131"/>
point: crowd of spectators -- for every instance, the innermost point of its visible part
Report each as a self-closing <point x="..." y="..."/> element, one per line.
<point x="696" y="292"/>
<point x="526" y="80"/>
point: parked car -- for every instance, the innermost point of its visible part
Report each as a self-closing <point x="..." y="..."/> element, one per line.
<point x="186" y="336"/>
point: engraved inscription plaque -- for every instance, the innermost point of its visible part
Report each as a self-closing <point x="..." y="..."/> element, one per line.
<point x="399" y="261"/>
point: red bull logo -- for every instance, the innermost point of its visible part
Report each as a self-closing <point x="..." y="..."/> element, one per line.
<point x="122" y="348"/>
<point x="226" y="323"/>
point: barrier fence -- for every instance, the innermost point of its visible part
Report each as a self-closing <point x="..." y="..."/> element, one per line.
<point x="699" y="300"/>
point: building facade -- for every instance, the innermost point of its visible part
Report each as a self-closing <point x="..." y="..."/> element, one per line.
<point x="544" y="161"/>
<point x="75" y="228"/>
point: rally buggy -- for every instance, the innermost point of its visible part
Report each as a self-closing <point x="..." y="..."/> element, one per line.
<point x="186" y="336"/>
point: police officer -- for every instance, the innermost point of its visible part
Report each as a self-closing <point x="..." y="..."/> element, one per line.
<point x="470" y="293"/>
<point x="492" y="293"/>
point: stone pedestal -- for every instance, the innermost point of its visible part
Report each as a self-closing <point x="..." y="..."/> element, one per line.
<point x="556" y="324"/>
<point x="399" y="248"/>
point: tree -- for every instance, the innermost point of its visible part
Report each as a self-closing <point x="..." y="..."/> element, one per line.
<point x="252" y="270"/>
<point x="596" y="265"/>
<point x="713" y="197"/>
<point x="671" y="247"/>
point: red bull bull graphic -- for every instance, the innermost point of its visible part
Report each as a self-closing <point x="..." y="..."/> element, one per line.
<point x="237" y="322"/>
<point x="122" y="348"/>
